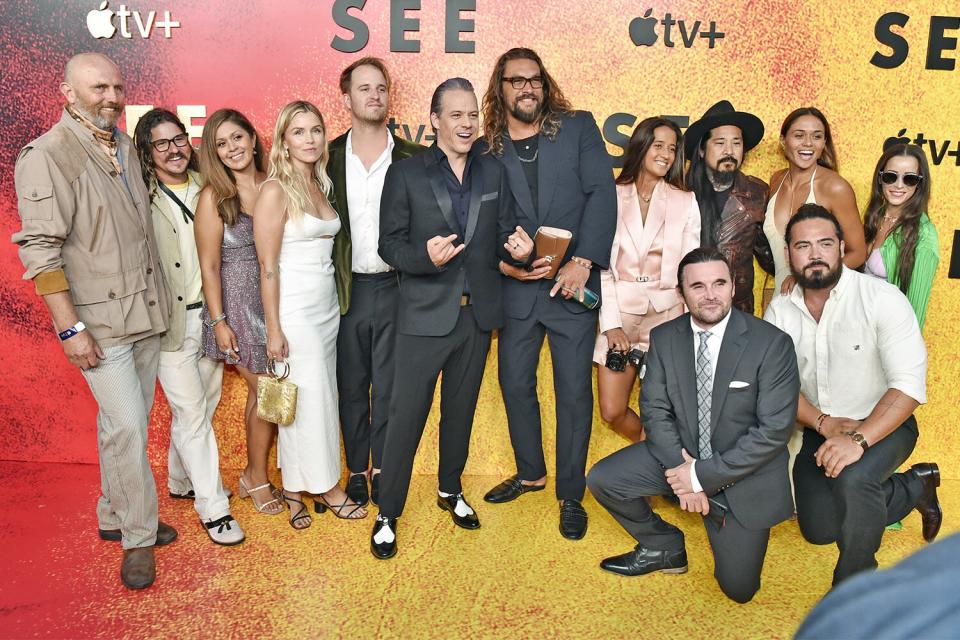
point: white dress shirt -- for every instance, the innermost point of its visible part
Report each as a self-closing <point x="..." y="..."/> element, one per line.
<point x="867" y="342"/>
<point x="713" y="352"/>
<point x="364" y="189"/>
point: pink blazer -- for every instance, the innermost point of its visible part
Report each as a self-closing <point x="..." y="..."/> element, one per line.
<point x="644" y="257"/>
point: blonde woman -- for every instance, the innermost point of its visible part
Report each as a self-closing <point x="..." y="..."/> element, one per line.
<point x="294" y="226"/>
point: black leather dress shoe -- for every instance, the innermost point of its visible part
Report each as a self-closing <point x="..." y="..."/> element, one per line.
<point x="470" y="521"/>
<point x="510" y="489"/>
<point x="165" y="534"/>
<point x="375" y="488"/>
<point x="928" y="505"/>
<point x="642" y="560"/>
<point x="189" y="495"/>
<point x="573" y="519"/>
<point x="383" y="550"/>
<point x="357" y="489"/>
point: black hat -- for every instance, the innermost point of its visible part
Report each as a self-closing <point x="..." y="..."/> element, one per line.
<point x="719" y="115"/>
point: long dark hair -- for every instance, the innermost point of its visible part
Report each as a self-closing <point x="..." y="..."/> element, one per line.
<point x="698" y="181"/>
<point x="218" y="176"/>
<point x="828" y="158"/>
<point x="909" y="220"/>
<point x="141" y="141"/>
<point x="555" y="105"/>
<point x="640" y="142"/>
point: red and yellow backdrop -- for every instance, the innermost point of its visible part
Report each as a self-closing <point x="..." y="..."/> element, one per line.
<point x="875" y="72"/>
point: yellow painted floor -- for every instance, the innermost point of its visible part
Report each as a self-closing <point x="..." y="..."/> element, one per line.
<point x="514" y="578"/>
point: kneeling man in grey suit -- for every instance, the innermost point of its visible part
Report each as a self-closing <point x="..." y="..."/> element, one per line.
<point x="719" y="403"/>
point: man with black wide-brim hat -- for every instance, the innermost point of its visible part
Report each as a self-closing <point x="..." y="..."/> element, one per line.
<point x="732" y="204"/>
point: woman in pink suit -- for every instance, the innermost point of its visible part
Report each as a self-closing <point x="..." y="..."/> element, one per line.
<point x="658" y="222"/>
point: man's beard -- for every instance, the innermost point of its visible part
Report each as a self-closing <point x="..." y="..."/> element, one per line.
<point x="723" y="179"/>
<point x="711" y="317"/>
<point x="98" y="121"/>
<point x="819" y="279"/>
<point x="368" y="116"/>
<point x="527" y="117"/>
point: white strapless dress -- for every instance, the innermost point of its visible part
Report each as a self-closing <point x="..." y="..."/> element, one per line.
<point x="308" y="450"/>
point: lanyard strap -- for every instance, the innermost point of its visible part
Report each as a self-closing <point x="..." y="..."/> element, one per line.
<point x="187" y="214"/>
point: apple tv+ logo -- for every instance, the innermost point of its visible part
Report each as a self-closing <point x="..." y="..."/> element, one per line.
<point x="939" y="150"/>
<point x="100" y="22"/>
<point x="643" y="31"/>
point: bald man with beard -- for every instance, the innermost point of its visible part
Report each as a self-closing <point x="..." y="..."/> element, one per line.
<point x="87" y="244"/>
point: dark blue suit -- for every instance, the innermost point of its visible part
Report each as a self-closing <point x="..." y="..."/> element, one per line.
<point x="576" y="192"/>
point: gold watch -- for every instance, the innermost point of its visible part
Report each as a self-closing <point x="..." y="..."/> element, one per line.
<point x="857" y="437"/>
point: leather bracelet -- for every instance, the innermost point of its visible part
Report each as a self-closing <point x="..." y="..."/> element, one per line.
<point x="820" y="422"/>
<point x="582" y="262"/>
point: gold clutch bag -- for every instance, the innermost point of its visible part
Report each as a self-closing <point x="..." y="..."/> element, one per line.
<point x="276" y="398"/>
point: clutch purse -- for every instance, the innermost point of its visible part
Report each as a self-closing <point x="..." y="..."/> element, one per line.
<point x="552" y="243"/>
<point x="276" y="397"/>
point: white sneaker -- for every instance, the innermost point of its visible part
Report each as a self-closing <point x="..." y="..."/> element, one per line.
<point x="225" y="530"/>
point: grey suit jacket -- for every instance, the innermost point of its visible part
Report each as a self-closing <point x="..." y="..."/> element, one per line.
<point x="750" y="424"/>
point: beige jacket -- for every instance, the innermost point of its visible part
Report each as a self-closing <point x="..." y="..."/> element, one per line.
<point x="165" y="228"/>
<point x="85" y="232"/>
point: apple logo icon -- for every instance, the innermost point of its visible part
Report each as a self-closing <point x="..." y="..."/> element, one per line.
<point x="641" y="30"/>
<point x="100" y="22"/>
<point x="898" y="139"/>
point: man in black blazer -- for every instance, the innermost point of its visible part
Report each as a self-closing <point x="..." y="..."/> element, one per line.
<point x="718" y="408"/>
<point x="366" y="285"/>
<point x="447" y="219"/>
<point x="560" y="175"/>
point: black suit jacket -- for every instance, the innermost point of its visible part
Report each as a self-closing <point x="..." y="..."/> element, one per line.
<point x="416" y="206"/>
<point x="576" y="192"/>
<point x="342" y="246"/>
<point x="751" y="424"/>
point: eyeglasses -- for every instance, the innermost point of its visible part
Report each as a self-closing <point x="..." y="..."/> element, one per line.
<point x="519" y="82"/>
<point x="909" y="179"/>
<point x="164" y="143"/>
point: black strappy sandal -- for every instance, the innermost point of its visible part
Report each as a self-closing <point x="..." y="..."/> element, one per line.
<point x="320" y="504"/>
<point x="301" y="514"/>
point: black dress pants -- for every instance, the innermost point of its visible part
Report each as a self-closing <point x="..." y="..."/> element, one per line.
<point x="365" y="350"/>
<point x="571" y="337"/>
<point x="460" y="357"/>
<point x="620" y="482"/>
<point x="854" y="508"/>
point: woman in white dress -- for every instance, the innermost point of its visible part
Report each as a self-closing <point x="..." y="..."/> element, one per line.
<point x="294" y="226"/>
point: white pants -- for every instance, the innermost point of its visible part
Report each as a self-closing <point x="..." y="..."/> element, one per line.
<point x="123" y="384"/>
<point x="192" y="385"/>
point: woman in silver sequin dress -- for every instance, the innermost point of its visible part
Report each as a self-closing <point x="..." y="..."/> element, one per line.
<point x="232" y="162"/>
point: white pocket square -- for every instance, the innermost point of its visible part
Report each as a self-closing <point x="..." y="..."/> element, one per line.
<point x="739" y="384"/>
<point x="489" y="196"/>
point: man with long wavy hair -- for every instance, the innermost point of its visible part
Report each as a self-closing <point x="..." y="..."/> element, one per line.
<point x="570" y="186"/>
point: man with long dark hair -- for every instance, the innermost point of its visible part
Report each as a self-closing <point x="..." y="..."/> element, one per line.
<point x="560" y="174"/>
<point x="191" y="383"/>
<point x="732" y="204"/>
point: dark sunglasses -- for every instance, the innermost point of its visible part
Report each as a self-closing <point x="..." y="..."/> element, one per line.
<point x="909" y="179"/>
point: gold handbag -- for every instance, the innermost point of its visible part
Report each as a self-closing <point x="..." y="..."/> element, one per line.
<point x="276" y="398"/>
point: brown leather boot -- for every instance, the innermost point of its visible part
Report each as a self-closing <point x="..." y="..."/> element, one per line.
<point x="139" y="568"/>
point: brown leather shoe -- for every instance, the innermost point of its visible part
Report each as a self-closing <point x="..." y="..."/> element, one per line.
<point x="928" y="505"/>
<point x="165" y="534"/>
<point x="139" y="568"/>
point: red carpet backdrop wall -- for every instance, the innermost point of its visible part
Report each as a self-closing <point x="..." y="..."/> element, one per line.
<point x="876" y="72"/>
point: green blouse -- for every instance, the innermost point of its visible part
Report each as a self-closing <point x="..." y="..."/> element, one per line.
<point x="924" y="267"/>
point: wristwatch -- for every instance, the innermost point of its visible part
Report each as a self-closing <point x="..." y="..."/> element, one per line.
<point x="71" y="331"/>
<point x="857" y="437"/>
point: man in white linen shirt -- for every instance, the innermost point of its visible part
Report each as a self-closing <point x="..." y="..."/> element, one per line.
<point x="863" y="368"/>
<point x="366" y="285"/>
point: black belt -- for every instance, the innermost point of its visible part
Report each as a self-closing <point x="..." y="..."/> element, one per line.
<point x="194" y="305"/>
<point x="372" y="277"/>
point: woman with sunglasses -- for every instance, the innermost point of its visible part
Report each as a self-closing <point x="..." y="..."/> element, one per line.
<point x="810" y="178"/>
<point x="902" y="242"/>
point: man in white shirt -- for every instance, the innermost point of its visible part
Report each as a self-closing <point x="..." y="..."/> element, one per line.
<point x="366" y="285"/>
<point x="863" y="369"/>
<point x="718" y="401"/>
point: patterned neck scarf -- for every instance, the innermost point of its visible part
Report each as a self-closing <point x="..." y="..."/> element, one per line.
<point x="106" y="139"/>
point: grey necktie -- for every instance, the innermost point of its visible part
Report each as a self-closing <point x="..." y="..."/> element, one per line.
<point x="704" y="394"/>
